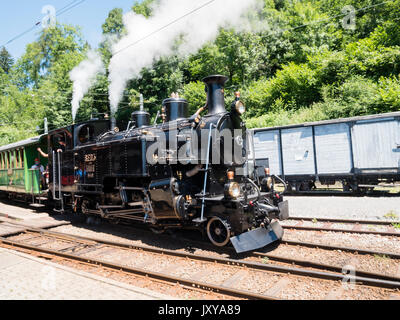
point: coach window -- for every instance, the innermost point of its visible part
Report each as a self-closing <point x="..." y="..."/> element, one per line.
<point x="17" y="158"/>
<point x="21" y="158"/>
<point x="12" y="159"/>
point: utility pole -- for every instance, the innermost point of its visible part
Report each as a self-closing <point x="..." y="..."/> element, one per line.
<point x="46" y="126"/>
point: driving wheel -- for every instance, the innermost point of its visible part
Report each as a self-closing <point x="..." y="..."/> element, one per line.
<point x="218" y="231"/>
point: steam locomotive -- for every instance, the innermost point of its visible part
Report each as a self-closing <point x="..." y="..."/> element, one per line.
<point x="187" y="172"/>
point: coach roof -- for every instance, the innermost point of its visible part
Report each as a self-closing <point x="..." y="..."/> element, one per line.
<point x="23" y="143"/>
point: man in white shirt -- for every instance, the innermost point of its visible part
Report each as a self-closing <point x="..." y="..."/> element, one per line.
<point x="38" y="166"/>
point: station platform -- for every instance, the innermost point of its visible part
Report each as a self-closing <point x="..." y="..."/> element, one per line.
<point x="14" y="219"/>
<point x="23" y="277"/>
<point x="20" y="214"/>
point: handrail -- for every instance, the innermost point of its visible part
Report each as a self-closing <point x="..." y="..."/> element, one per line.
<point x="60" y="198"/>
<point x="54" y="176"/>
<point x="206" y="173"/>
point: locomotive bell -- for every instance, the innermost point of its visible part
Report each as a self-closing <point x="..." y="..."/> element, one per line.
<point x="215" y="93"/>
<point x="141" y="118"/>
<point x="175" y="108"/>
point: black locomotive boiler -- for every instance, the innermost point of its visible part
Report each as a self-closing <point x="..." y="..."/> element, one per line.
<point x="188" y="172"/>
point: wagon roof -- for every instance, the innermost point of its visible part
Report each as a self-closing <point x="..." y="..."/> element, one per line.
<point x="22" y="143"/>
<point x="341" y="120"/>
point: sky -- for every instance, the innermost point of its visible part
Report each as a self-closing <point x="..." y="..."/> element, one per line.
<point x="18" y="16"/>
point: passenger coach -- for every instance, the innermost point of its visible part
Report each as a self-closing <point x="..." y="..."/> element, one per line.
<point x="17" y="178"/>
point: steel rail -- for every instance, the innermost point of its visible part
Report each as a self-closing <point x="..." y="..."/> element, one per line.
<point x="316" y="265"/>
<point x="351" y="221"/>
<point x="333" y="268"/>
<point x="348" y="249"/>
<point x="388" y="254"/>
<point x="312" y="264"/>
<point x="143" y="272"/>
<point x="284" y="259"/>
<point x="382" y="233"/>
<point x="384" y="281"/>
<point x="304" y="263"/>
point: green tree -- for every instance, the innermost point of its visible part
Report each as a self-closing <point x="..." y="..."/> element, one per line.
<point x="114" y="24"/>
<point x="6" y="60"/>
<point x="53" y="45"/>
<point x="144" y="7"/>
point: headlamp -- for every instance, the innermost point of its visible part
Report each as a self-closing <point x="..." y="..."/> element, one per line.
<point x="232" y="189"/>
<point x="240" y="108"/>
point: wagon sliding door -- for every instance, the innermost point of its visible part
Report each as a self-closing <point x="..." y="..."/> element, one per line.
<point x="376" y="145"/>
<point x="333" y="149"/>
<point x="267" y="145"/>
<point x="298" y="151"/>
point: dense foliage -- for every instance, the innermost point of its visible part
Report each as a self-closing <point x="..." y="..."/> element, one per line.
<point x="304" y="64"/>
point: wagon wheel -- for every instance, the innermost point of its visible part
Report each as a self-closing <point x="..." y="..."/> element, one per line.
<point x="218" y="231"/>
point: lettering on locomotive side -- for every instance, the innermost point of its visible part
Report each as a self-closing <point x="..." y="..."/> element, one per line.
<point x="90" y="157"/>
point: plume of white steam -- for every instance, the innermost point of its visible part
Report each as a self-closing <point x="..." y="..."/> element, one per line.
<point x="143" y="43"/>
<point x="83" y="77"/>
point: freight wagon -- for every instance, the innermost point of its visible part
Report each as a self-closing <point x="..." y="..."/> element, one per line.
<point x="359" y="152"/>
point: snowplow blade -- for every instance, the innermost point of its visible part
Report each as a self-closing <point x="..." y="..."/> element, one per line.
<point x="257" y="238"/>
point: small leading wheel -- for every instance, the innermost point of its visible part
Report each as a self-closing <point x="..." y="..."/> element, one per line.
<point x="218" y="231"/>
<point x="157" y="230"/>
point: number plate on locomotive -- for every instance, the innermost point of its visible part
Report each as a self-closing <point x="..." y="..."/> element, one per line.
<point x="90" y="157"/>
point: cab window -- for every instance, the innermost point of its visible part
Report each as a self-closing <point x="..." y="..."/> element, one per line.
<point x="61" y="140"/>
<point x="86" y="133"/>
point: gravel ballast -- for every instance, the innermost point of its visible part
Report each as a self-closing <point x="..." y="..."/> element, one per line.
<point x="344" y="207"/>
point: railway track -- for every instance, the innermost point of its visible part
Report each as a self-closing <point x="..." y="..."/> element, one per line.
<point x="375" y="227"/>
<point x="370" y="222"/>
<point x="85" y="249"/>
<point x="78" y="243"/>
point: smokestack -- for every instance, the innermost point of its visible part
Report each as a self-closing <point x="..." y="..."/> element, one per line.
<point x="215" y="93"/>
<point x="141" y="118"/>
